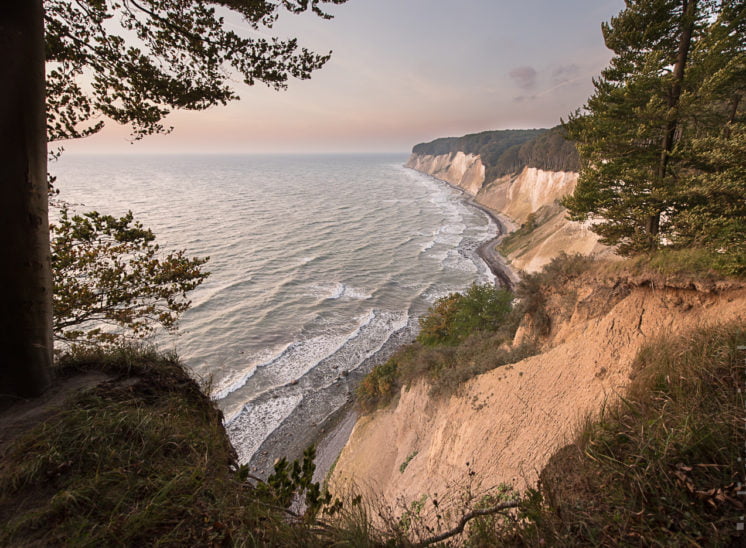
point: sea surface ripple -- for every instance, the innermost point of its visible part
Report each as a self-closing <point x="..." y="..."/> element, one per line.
<point x="317" y="262"/>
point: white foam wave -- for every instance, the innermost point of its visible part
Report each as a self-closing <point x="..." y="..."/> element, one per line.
<point x="370" y="339"/>
<point x="256" y="422"/>
<point x="340" y="290"/>
<point x="238" y="379"/>
<point x="305" y="260"/>
<point x="427" y="246"/>
<point x="295" y="359"/>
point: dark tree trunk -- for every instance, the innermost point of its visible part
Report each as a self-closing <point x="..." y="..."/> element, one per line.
<point x="25" y="276"/>
<point x="688" y="16"/>
<point x="732" y="117"/>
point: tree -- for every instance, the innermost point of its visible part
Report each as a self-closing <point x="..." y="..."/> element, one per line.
<point x="111" y="282"/>
<point x="25" y="277"/>
<point x="454" y="317"/>
<point x="128" y="60"/>
<point x="184" y="56"/>
<point x="634" y="133"/>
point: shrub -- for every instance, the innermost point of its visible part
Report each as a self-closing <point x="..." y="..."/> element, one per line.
<point x="377" y="387"/>
<point x="437" y="326"/>
<point x="453" y="318"/>
<point x="533" y="289"/>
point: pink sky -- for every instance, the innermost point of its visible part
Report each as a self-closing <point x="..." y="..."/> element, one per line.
<point x="403" y="72"/>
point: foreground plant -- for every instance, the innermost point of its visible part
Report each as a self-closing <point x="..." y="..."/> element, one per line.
<point x="112" y="282"/>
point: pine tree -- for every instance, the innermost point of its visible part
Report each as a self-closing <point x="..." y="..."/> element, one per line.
<point x="710" y="207"/>
<point x="675" y="71"/>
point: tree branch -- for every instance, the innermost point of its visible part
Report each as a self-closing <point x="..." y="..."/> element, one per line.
<point x="465" y="519"/>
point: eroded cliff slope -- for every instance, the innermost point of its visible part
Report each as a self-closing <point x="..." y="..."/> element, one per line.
<point x="504" y="425"/>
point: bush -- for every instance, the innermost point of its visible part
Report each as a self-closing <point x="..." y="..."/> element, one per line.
<point x="453" y="318"/>
<point x="377" y="387"/>
<point x="462" y="336"/>
<point x="533" y="289"/>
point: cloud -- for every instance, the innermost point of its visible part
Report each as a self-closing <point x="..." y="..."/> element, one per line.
<point x="565" y="72"/>
<point x="524" y="77"/>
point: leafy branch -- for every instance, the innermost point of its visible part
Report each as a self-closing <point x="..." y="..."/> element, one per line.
<point x="112" y="282"/>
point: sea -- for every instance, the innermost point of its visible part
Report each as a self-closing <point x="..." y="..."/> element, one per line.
<point x="319" y="265"/>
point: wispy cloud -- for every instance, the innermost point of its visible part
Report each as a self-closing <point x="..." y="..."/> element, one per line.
<point x="524" y="77"/>
<point x="564" y="73"/>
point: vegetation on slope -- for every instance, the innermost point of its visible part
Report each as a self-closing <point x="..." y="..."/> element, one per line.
<point x="464" y="335"/>
<point x="461" y="336"/>
<point x="137" y="461"/>
<point x="661" y="468"/>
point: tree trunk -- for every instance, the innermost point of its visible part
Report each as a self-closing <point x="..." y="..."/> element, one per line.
<point x="25" y="277"/>
<point x="688" y="17"/>
<point x="732" y="117"/>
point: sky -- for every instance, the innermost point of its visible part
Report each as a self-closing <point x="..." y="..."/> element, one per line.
<point x="402" y="72"/>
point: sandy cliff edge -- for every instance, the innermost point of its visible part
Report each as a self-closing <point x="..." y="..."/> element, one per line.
<point x="507" y="423"/>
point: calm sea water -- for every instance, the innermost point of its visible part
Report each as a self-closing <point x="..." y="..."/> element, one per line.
<point x="316" y="262"/>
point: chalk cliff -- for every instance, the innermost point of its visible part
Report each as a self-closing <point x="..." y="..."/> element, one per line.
<point x="503" y="426"/>
<point x="518" y="194"/>
<point x="463" y="170"/>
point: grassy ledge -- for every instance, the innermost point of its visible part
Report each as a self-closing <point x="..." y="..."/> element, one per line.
<point x="140" y="460"/>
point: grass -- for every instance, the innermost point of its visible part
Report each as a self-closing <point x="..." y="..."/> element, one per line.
<point x="446" y="368"/>
<point x="695" y="263"/>
<point x="143" y="460"/>
<point x="403" y="465"/>
<point x="662" y="467"/>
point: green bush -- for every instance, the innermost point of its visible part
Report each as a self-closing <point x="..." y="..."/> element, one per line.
<point x="462" y="336"/>
<point x="453" y="318"/>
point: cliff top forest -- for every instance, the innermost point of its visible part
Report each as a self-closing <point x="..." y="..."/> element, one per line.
<point x="504" y="152"/>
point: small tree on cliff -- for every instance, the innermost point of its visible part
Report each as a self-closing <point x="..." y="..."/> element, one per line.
<point x="111" y="281"/>
<point x="635" y="133"/>
<point x="183" y="57"/>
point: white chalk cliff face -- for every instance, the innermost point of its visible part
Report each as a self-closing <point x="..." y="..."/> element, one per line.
<point x="517" y="196"/>
<point x="459" y="169"/>
<point x="507" y="423"/>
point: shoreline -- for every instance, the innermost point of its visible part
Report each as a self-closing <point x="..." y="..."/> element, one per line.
<point x="487" y="251"/>
<point x="331" y="431"/>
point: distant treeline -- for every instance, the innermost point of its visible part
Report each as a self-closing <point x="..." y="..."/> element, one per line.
<point x="509" y="151"/>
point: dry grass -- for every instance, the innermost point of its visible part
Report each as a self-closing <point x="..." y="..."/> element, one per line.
<point x="142" y="460"/>
<point x="659" y="469"/>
